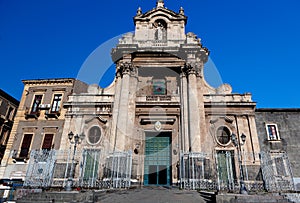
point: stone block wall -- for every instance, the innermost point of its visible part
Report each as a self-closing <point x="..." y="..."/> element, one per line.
<point x="288" y="126"/>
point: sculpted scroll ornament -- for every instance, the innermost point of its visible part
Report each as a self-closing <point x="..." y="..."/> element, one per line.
<point x="224" y="89"/>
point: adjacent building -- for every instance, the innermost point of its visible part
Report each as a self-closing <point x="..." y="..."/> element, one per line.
<point x="278" y="131"/>
<point x="38" y="123"/>
<point x="8" y="109"/>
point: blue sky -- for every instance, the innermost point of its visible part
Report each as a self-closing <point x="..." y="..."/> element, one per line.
<point x="254" y="44"/>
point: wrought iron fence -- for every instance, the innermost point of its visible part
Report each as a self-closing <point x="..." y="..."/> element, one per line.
<point x="51" y="168"/>
<point x="40" y="168"/>
<point x="277" y="173"/>
<point x="192" y="172"/>
<point x="195" y="173"/>
<point x="118" y="169"/>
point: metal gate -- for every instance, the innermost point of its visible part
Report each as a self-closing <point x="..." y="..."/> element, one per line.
<point x="277" y="173"/>
<point x="90" y="168"/>
<point x="194" y="170"/>
<point x="226" y="170"/>
<point x="40" y="168"/>
<point x="118" y="169"/>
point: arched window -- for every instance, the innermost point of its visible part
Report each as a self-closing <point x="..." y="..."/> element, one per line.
<point x="94" y="134"/>
<point x="223" y="135"/>
<point x="160" y="30"/>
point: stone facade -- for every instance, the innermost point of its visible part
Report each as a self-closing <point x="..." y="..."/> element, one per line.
<point x="8" y="109"/>
<point x="160" y="98"/>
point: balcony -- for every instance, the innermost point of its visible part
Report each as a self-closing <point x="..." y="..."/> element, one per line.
<point x="52" y="114"/>
<point x="159" y="98"/>
<point x="31" y="114"/>
<point x="20" y="155"/>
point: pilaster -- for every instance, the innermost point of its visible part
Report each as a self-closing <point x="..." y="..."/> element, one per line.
<point x="184" y="114"/>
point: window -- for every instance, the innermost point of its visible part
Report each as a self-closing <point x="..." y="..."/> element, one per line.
<point x="36" y="102"/>
<point x="10" y="112"/>
<point x="94" y="134"/>
<point x="223" y="135"/>
<point x="47" y="143"/>
<point x="4" y="136"/>
<point x="159" y="87"/>
<point x="26" y="145"/>
<point x="272" y="132"/>
<point x="56" y="103"/>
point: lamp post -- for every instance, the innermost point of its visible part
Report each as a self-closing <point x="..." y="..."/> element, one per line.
<point x="71" y="173"/>
<point x="243" y="189"/>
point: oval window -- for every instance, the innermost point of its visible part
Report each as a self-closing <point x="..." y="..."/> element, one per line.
<point x="94" y="134"/>
<point x="223" y="135"/>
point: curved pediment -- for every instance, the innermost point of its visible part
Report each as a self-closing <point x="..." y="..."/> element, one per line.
<point x="161" y="12"/>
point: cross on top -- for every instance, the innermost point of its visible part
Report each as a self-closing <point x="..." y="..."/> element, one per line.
<point x="160" y="3"/>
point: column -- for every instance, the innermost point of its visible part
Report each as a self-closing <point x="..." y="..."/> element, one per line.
<point x="122" y="118"/>
<point x="193" y="109"/>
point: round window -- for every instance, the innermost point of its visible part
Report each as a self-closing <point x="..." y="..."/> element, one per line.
<point x="223" y="135"/>
<point x="94" y="134"/>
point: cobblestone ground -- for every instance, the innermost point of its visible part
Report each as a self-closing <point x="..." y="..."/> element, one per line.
<point x="151" y="195"/>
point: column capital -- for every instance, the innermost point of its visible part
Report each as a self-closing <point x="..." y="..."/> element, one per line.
<point x="191" y="68"/>
<point x="125" y="68"/>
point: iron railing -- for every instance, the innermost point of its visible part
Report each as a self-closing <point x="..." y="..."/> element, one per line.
<point x="51" y="168"/>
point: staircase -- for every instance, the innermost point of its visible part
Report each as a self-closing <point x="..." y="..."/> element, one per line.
<point x="254" y="198"/>
<point x="58" y="197"/>
<point x="208" y="196"/>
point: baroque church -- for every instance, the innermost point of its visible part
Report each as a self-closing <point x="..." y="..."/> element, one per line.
<point x="158" y="123"/>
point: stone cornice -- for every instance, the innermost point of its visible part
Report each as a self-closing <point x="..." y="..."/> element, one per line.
<point x="277" y="110"/>
<point x="48" y="81"/>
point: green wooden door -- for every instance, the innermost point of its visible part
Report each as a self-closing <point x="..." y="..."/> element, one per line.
<point x="226" y="169"/>
<point x="157" y="159"/>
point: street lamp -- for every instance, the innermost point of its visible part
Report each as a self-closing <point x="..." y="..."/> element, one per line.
<point x="243" y="189"/>
<point x="71" y="173"/>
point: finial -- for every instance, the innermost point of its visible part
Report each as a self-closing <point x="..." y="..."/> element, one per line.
<point x="181" y="11"/>
<point x="160" y="3"/>
<point x="139" y="11"/>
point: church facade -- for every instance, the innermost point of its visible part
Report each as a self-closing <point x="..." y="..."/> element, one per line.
<point x="158" y="123"/>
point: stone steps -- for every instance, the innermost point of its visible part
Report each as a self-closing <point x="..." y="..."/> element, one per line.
<point x="237" y="198"/>
<point x="208" y="196"/>
<point x="58" y="197"/>
<point x="99" y="196"/>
